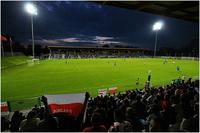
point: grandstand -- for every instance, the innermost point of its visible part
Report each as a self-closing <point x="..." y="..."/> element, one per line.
<point x="96" y="52"/>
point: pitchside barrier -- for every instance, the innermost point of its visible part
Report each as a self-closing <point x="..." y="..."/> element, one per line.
<point x="179" y="58"/>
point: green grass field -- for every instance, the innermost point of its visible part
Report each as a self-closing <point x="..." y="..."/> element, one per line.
<point x="80" y="75"/>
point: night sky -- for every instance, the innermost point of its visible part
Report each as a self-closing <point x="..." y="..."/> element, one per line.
<point x="92" y="24"/>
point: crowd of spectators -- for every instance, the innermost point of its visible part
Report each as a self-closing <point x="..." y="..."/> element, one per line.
<point x="171" y="108"/>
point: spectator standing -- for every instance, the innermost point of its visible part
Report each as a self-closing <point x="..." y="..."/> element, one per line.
<point x="30" y="124"/>
<point x="96" y="126"/>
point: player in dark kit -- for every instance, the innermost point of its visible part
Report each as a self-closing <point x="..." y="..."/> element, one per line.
<point x="137" y="81"/>
<point x="165" y="61"/>
<point x="149" y="76"/>
<point x="115" y="64"/>
<point x="177" y="68"/>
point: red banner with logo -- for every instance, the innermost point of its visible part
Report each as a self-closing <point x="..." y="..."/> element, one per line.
<point x="112" y="90"/>
<point x="69" y="103"/>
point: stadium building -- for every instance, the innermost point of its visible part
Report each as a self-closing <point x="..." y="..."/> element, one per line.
<point x="96" y="52"/>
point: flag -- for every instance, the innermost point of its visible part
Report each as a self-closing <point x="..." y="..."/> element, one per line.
<point x="3" y="38"/>
<point x="112" y="90"/>
<point x="102" y="92"/>
<point x="4" y="107"/>
<point x="67" y="103"/>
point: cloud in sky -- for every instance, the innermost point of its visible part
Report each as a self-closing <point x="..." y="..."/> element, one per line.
<point x="47" y="42"/>
<point x="100" y="40"/>
<point x="69" y="40"/>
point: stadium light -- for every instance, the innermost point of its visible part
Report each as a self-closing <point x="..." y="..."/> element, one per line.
<point x="156" y="27"/>
<point x="32" y="10"/>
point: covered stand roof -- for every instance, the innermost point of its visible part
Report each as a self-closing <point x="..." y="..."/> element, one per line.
<point x="185" y="10"/>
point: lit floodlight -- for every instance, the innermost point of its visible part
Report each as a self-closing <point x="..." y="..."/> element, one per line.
<point x="30" y="8"/>
<point x="157" y="26"/>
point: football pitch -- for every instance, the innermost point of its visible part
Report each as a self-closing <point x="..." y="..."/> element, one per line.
<point x="81" y="75"/>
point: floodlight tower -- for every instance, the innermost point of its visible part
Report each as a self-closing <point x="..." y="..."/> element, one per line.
<point x="32" y="10"/>
<point x="156" y="27"/>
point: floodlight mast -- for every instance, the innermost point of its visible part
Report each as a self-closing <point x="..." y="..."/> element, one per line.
<point x="156" y="27"/>
<point x="32" y="10"/>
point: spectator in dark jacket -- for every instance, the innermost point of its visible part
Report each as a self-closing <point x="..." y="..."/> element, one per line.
<point x="15" y="121"/>
<point x="30" y="124"/>
<point x="96" y="126"/>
